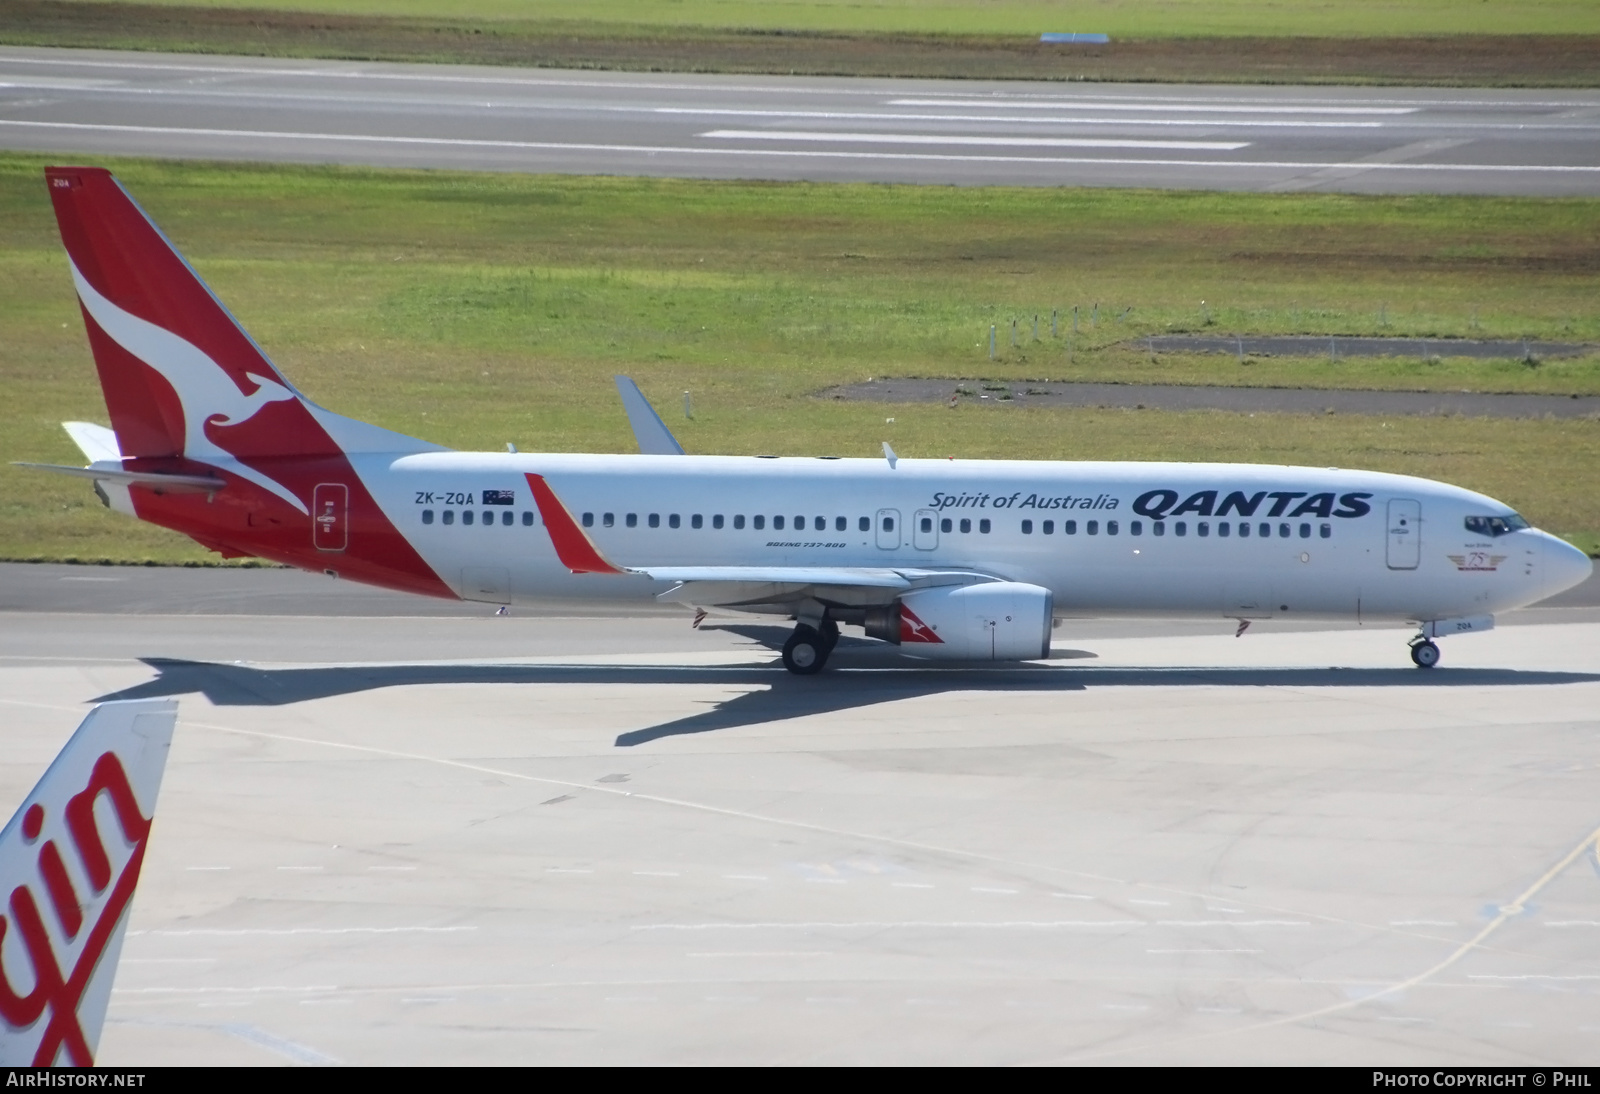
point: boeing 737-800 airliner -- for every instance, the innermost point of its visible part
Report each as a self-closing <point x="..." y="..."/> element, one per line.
<point x="949" y="559"/>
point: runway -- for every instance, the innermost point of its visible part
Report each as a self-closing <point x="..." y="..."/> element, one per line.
<point x="90" y="103"/>
<point x="393" y="840"/>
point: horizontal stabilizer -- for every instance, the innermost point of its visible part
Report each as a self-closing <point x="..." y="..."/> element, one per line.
<point x="159" y="481"/>
<point x="96" y="441"/>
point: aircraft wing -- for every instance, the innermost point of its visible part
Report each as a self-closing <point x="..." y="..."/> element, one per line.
<point x="654" y="438"/>
<point x="734" y="586"/>
<point x="70" y="859"/>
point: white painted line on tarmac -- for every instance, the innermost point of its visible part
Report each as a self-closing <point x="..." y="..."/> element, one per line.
<point x="1197" y="108"/>
<point x="998" y="142"/>
<point x="989" y="119"/>
<point x="987" y="889"/>
<point x="1573" y="923"/>
<point x="786" y="153"/>
<point x="744" y="877"/>
<point x="1423" y="923"/>
<point x="655" y="873"/>
<point x="904" y="924"/>
<point x="1204" y="951"/>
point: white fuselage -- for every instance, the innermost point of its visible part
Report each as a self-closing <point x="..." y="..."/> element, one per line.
<point x="1160" y="539"/>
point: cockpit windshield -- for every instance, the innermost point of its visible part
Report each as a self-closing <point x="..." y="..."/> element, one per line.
<point x="1496" y="526"/>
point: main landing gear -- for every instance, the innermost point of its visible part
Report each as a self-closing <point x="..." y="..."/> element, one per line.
<point x="1424" y="653"/>
<point x="808" y="647"/>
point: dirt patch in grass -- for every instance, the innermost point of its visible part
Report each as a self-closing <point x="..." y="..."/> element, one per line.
<point x="1475" y="60"/>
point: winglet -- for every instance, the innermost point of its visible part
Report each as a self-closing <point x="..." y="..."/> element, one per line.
<point x="888" y="454"/>
<point x="573" y="547"/>
<point x="652" y="434"/>
<point x="70" y="859"/>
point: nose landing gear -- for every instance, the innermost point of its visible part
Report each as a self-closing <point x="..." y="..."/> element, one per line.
<point x="1424" y="653"/>
<point x="808" y="647"/>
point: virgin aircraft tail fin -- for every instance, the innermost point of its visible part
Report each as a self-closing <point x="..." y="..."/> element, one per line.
<point x="69" y="860"/>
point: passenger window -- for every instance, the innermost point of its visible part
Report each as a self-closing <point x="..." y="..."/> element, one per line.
<point x="1111" y="527"/>
<point x="927" y="524"/>
<point x="738" y="521"/>
<point x="1327" y="531"/>
<point x="865" y="524"/>
<point x="654" y="520"/>
<point x="696" y="521"/>
<point x="1027" y="527"/>
<point x="758" y="522"/>
<point x="1305" y="531"/>
<point x="1283" y="531"/>
<point x="631" y="520"/>
<point x="1069" y="527"/>
<point x="1222" y="529"/>
<point x="674" y="520"/>
<point x="588" y="519"/>
<point x="1135" y="528"/>
<point x="1048" y="528"/>
<point x="466" y="516"/>
<point x="777" y="524"/>
<point x="716" y="521"/>
<point x="1092" y="527"/>
<point x="983" y="526"/>
<point x="966" y="524"/>
<point x="449" y="516"/>
<point x="799" y="524"/>
<point x="427" y="516"/>
<point x="527" y="518"/>
<point x="946" y="525"/>
<point x="819" y="524"/>
<point x="1264" y="529"/>
<point x="507" y="518"/>
<point x="888" y="524"/>
<point x="840" y="524"/>
<point x="1159" y="527"/>
<point x="1244" y="529"/>
<point x="1180" y="529"/>
<point x="1202" y="529"/>
<point x="608" y="519"/>
<point x="488" y="520"/>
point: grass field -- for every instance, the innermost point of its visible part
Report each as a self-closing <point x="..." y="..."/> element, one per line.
<point x="1147" y="19"/>
<point x="479" y="309"/>
<point x="1544" y="43"/>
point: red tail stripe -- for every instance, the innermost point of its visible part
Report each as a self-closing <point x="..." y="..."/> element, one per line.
<point x="575" y="550"/>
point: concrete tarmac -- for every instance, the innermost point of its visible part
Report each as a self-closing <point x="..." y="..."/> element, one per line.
<point x="394" y="840"/>
<point x="88" y="103"/>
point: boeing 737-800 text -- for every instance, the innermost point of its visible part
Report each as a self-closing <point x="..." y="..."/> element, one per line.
<point x="949" y="559"/>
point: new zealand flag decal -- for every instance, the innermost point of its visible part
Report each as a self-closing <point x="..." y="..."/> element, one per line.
<point x="499" y="497"/>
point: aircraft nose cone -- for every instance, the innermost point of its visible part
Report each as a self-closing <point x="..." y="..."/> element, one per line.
<point x="1564" y="566"/>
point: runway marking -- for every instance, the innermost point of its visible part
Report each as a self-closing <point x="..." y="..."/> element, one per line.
<point x="1072" y="896"/>
<point x="1573" y="923"/>
<point x="986" y="889"/>
<point x="1423" y="923"/>
<point x="1530" y="976"/>
<point x="999" y="142"/>
<point x="1205" y="951"/>
<point x="303" y="869"/>
<point x="1197" y="108"/>
<point x="744" y="877"/>
<point x="1160" y="903"/>
<point x="910" y="885"/>
<point x="655" y="873"/>
<point x="904" y="924"/>
<point x="855" y="115"/>
<point x="787" y="153"/>
<point x="762" y="953"/>
<point x="567" y="870"/>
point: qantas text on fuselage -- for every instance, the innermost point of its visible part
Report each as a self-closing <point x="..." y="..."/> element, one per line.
<point x="951" y="559"/>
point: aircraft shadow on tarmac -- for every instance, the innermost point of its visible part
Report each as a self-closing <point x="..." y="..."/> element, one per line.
<point x="866" y="675"/>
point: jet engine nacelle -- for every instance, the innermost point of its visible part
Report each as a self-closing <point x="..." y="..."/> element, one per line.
<point x="994" y="621"/>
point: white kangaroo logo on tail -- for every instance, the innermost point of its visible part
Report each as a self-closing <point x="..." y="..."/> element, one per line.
<point x="205" y="390"/>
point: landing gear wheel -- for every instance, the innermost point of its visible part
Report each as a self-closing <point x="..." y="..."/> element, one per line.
<point x="806" y="651"/>
<point x="1424" y="654"/>
<point x="830" y="633"/>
